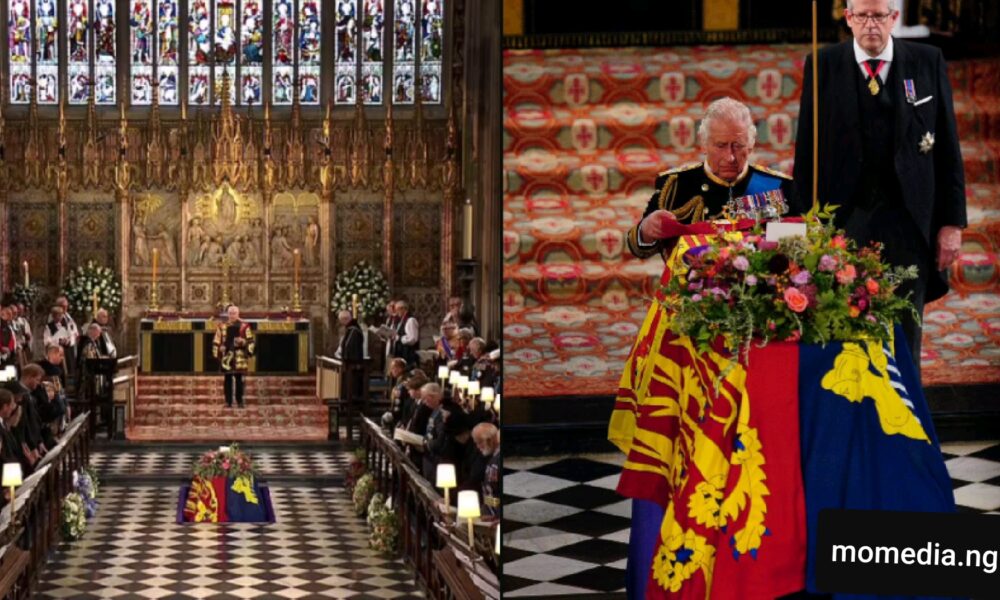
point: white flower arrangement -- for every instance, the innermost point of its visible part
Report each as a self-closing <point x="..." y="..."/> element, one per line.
<point x="74" y="518"/>
<point x="370" y="286"/>
<point x="87" y="279"/>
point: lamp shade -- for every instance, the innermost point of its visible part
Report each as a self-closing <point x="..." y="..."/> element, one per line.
<point x="446" y="475"/>
<point x="12" y="474"/>
<point x="474" y="388"/>
<point x="463" y="382"/>
<point x="9" y="373"/>
<point x="453" y="379"/>
<point x="468" y="504"/>
<point x="497" y="549"/>
<point x="496" y="403"/>
<point x="443" y="372"/>
<point x="487" y="394"/>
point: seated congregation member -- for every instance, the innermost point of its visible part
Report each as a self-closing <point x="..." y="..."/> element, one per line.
<point x="22" y="332"/>
<point x="26" y="425"/>
<point x="701" y="191"/>
<point x="400" y="401"/>
<point x="417" y="423"/>
<point x="447" y="432"/>
<point x="407" y="334"/>
<point x="8" y="338"/>
<point x="55" y="375"/>
<point x="447" y="343"/>
<point x="11" y="450"/>
<point x="487" y="439"/>
<point x="50" y="408"/>
<point x="106" y="341"/>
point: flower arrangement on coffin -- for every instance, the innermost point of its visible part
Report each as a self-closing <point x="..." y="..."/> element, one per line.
<point x="384" y="524"/>
<point x="356" y="467"/>
<point x="363" y="492"/>
<point x="73" y="521"/>
<point x="368" y="283"/>
<point x="230" y="463"/>
<point x="816" y="289"/>
<point x="86" y="280"/>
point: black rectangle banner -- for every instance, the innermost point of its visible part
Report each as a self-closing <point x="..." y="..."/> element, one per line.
<point x="908" y="553"/>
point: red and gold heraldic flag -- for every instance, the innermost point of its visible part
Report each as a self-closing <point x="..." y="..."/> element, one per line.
<point x="712" y="463"/>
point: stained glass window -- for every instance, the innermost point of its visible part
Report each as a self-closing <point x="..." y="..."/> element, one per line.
<point x="404" y="52"/>
<point x="310" y="34"/>
<point x="372" y="39"/>
<point x="251" y="52"/>
<point x="46" y="51"/>
<point x="345" y="52"/>
<point x="78" y="50"/>
<point x="141" y="35"/>
<point x="199" y="51"/>
<point x="19" y="40"/>
<point x="431" y="50"/>
<point x="105" y="57"/>
<point x="283" y="52"/>
<point x="167" y="45"/>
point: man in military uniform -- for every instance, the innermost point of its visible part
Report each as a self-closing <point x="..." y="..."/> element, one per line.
<point x="703" y="190"/>
<point x="233" y="345"/>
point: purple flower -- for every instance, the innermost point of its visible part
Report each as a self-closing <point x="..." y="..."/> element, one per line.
<point x="717" y="291"/>
<point x="801" y="278"/>
<point x="696" y="298"/>
<point x="751" y="280"/>
<point x="695" y="286"/>
<point x="740" y="263"/>
<point x="827" y="263"/>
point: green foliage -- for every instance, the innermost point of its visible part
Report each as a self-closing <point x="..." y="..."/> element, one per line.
<point x="370" y="286"/>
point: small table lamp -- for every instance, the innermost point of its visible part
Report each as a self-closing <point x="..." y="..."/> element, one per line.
<point x="496" y="404"/>
<point x="463" y="382"/>
<point x="446" y="480"/>
<point x="454" y="377"/>
<point x="473" y="389"/>
<point x="496" y="549"/>
<point x="487" y="395"/>
<point x="443" y="373"/>
<point x="12" y="479"/>
<point x="468" y="507"/>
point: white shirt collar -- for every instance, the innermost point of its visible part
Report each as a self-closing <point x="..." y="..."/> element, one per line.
<point x="860" y="56"/>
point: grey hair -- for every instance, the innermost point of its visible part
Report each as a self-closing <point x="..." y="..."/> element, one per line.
<point x="727" y="109"/>
<point x="892" y="5"/>
<point x="345" y="313"/>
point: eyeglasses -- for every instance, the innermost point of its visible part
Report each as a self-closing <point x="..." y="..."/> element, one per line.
<point x="876" y="18"/>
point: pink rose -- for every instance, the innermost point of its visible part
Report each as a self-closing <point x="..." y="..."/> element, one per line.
<point x="225" y="465"/>
<point x="796" y="300"/>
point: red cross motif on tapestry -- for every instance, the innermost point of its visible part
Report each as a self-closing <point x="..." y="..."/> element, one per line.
<point x="577" y="89"/>
<point x="584" y="134"/>
<point x="512" y="300"/>
<point x="769" y="85"/>
<point x="682" y="132"/>
<point x="779" y="130"/>
<point x="595" y="178"/>
<point x="672" y="87"/>
<point x="609" y="243"/>
<point x="511" y="244"/>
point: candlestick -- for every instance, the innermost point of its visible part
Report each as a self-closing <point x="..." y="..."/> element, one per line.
<point x="467" y="229"/>
<point x="27" y="280"/>
<point x="354" y="304"/>
<point x="296" y="303"/>
<point x="154" y="296"/>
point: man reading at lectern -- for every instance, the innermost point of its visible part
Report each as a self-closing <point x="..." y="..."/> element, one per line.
<point x="233" y="345"/>
<point x="888" y="150"/>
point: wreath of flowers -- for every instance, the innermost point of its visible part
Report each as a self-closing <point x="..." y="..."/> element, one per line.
<point x="86" y="279"/>
<point x="74" y="518"/>
<point x="384" y="524"/>
<point x="816" y="289"/>
<point x="356" y="467"/>
<point x="368" y="283"/>
<point x="232" y="462"/>
<point x="363" y="492"/>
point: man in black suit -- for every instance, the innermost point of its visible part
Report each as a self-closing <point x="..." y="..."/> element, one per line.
<point x="888" y="150"/>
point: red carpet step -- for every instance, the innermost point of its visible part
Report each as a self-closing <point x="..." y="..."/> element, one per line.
<point x="192" y="408"/>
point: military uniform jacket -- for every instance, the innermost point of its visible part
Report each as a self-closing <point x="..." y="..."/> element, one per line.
<point x="232" y="357"/>
<point x="694" y="194"/>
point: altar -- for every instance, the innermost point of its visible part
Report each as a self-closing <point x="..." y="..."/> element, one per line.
<point x="182" y="343"/>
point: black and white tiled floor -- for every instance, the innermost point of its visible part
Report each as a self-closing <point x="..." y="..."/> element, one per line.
<point x="566" y="530"/>
<point x="134" y="548"/>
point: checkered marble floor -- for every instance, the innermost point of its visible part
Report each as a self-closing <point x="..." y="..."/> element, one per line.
<point x="566" y="530"/>
<point x="134" y="548"/>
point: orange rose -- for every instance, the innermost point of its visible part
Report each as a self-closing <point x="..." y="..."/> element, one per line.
<point x="872" y="286"/>
<point x="853" y="310"/>
<point x="796" y="300"/>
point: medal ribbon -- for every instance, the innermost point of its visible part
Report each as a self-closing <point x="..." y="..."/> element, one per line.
<point x="868" y="68"/>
